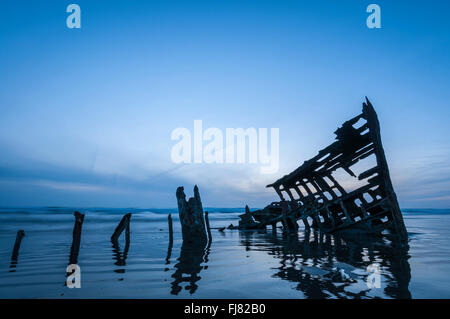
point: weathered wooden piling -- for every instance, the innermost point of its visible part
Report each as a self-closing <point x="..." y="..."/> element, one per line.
<point x="119" y="256"/>
<point x="191" y="216"/>
<point x="208" y="246"/>
<point x="74" y="250"/>
<point x="208" y="228"/>
<point x="15" y="253"/>
<point x="124" y="224"/>
<point x="169" y="249"/>
<point x="169" y="219"/>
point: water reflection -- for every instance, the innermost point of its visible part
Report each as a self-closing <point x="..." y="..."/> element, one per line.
<point x="331" y="266"/>
<point x="119" y="256"/>
<point x="189" y="265"/>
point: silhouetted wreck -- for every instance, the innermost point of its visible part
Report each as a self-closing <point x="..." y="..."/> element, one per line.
<point x="312" y="194"/>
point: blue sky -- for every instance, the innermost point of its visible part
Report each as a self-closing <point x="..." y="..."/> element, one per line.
<point x="86" y="115"/>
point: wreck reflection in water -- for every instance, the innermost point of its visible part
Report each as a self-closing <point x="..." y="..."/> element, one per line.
<point x="329" y="266"/>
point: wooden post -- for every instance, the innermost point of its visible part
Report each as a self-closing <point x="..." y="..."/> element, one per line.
<point x="74" y="250"/>
<point x="121" y="258"/>
<point x="170" y="228"/>
<point x="208" y="228"/>
<point x="124" y="224"/>
<point x="15" y="253"/>
<point x="191" y="216"/>
<point x="169" y="249"/>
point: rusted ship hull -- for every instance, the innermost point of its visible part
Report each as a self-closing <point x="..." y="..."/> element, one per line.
<point x="312" y="194"/>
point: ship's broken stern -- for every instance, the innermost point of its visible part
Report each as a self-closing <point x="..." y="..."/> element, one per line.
<point x="312" y="193"/>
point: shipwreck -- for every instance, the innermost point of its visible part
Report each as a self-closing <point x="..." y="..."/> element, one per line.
<point x="312" y="194"/>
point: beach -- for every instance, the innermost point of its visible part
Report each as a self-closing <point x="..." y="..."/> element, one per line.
<point x="235" y="264"/>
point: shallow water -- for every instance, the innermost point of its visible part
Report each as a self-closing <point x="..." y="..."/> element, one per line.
<point x="234" y="265"/>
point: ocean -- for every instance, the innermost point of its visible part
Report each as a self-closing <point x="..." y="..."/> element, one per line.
<point x="235" y="264"/>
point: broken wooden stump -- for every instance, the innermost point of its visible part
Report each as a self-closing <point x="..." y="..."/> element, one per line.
<point x="196" y="244"/>
<point x="119" y="256"/>
<point x="248" y="222"/>
<point x="15" y="253"/>
<point x="191" y="216"/>
<point x="75" y="248"/>
<point x="124" y="224"/>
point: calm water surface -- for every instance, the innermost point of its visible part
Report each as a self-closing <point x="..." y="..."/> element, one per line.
<point x="234" y="265"/>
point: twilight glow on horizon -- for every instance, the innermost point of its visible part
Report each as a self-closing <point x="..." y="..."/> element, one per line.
<point x="86" y="115"/>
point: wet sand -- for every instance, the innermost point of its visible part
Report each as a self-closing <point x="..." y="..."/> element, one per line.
<point x="235" y="265"/>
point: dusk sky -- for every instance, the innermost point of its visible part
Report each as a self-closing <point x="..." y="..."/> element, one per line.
<point x="86" y="114"/>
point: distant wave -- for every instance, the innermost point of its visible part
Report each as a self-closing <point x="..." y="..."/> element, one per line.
<point x="61" y="214"/>
<point x="166" y="211"/>
<point x="427" y="211"/>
